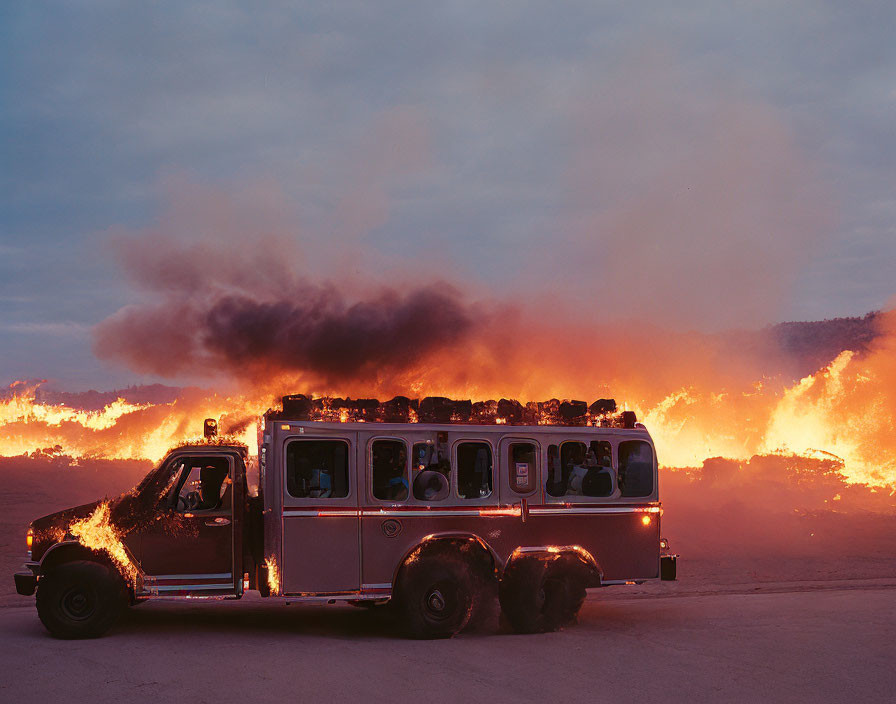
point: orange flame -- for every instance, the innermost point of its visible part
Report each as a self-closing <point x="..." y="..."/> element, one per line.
<point x="96" y="532"/>
<point x="846" y="410"/>
<point x="273" y="575"/>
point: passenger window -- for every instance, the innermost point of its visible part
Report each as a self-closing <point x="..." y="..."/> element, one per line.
<point x="317" y="469"/>
<point x="389" y="463"/>
<point x="522" y="468"/>
<point x="474" y="470"/>
<point x="577" y="469"/>
<point x="204" y="485"/>
<point x="635" y="468"/>
<point x="431" y="469"/>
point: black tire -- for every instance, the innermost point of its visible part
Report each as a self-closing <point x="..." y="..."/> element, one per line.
<point x="436" y="596"/>
<point x="577" y="596"/>
<point x="485" y="614"/>
<point x="539" y="595"/>
<point x="80" y="599"/>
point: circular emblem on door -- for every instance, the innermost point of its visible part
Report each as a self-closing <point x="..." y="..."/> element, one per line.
<point x="391" y="528"/>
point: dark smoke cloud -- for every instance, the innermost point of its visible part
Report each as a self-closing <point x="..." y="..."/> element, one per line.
<point x="319" y="334"/>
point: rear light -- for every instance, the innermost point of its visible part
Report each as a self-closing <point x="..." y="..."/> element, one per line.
<point x="29" y="538"/>
<point x="645" y="519"/>
<point x="664" y="544"/>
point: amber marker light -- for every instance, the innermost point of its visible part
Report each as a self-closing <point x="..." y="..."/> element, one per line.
<point x="29" y="538"/>
<point x="645" y="519"/>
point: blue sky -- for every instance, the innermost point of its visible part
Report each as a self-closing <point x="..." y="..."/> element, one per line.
<point x="752" y="143"/>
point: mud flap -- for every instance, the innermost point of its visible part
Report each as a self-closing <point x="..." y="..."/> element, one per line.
<point x="668" y="567"/>
<point x="26" y="583"/>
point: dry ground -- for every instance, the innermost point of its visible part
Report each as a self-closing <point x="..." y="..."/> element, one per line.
<point x="832" y="645"/>
<point x="752" y="618"/>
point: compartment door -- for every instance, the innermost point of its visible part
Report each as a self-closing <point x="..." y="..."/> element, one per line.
<point x="321" y="521"/>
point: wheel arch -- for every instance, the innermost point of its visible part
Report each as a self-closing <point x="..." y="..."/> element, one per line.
<point x="71" y="551"/>
<point x="470" y="543"/>
<point x="575" y="557"/>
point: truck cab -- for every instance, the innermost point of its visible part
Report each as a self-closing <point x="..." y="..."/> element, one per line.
<point x="185" y="530"/>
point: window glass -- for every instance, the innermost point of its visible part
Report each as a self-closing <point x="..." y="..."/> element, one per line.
<point x="204" y="485"/>
<point x="522" y="468"/>
<point x="431" y="469"/>
<point x="317" y="469"/>
<point x="389" y="463"/>
<point x="577" y="469"/>
<point x="474" y="470"/>
<point x="635" y="468"/>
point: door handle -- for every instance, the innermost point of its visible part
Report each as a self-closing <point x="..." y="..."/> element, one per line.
<point x="218" y="522"/>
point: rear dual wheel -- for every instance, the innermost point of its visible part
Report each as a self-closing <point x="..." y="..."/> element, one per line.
<point x="540" y="595"/>
<point x="80" y="599"/>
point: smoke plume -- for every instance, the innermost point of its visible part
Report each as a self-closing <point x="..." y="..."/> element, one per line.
<point x="315" y="332"/>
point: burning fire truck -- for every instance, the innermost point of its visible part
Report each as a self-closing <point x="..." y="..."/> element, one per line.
<point x="437" y="506"/>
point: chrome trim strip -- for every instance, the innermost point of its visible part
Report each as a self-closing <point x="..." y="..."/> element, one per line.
<point x="586" y="511"/>
<point x="219" y="575"/>
<point x="472" y="511"/>
<point x="419" y="514"/>
<point x="387" y="585"/>
<point x="190" y="587"/>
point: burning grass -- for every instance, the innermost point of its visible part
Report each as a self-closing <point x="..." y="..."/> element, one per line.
<point x="698" y="400"/>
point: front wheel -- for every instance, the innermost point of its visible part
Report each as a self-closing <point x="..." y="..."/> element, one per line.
<point x="436" y="595"/>
<point x="80" y="599"/>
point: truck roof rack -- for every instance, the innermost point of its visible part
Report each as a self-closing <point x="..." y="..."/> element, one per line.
<point x="439" y="409"/>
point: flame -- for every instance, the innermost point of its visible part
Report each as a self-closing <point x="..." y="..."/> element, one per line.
<point x="273" y="575"/>
<point x="845" y="410"/>
<point x="121" y="429"/>
<point x="97" y="532"/>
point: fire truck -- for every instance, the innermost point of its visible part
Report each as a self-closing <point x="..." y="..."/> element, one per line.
<point x="436" y="514"/>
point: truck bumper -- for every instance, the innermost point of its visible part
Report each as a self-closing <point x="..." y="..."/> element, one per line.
<point x="26" y="583"/>
<point x="668" y="567"/>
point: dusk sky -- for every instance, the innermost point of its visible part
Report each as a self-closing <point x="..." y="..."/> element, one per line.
<point x="743" y="153"/>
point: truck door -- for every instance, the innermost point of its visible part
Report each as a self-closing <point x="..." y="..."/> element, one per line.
<point x="189" y="547"/>
<point x="321" y="521"/>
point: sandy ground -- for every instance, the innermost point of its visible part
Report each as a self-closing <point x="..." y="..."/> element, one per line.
<point x="832" y="645"/>
<point x="779" y="609"/>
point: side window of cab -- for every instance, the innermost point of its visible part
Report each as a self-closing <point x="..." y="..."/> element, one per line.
<point x="201" y="485"/>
